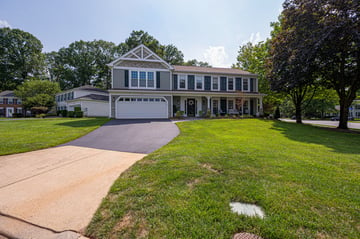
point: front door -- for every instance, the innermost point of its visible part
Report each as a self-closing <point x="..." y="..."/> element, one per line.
<point x="9" y="112"/>
<point x="191" y="107"/>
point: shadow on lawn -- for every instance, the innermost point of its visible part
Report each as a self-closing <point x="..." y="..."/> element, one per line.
<point x="83" y="122"/>
<point x="342" y="142"/>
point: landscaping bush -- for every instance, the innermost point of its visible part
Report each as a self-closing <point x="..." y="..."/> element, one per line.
<point x="179" y="114"/>
<point x="40" y="115"/>
<point x="77" y="109"/>
<point x="70" y="114"/>
<point x="64" y="113"/>
<point x="78" y="114"/>
<point x="39" y="110"/>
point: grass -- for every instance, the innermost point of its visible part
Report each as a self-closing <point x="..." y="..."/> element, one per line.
<point x="19" y="136"/>
<point x="306" y="179"/>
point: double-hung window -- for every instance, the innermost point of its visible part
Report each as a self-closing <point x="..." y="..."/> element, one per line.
<point x="1" y="101"/>
<point x="199" y="82"/>
<point x="245" y="85"/>
<point x="142" y="79"/>
<point x="231" y="84"/>
<point x="215" y="83"/>
<point x="182" y="82"/>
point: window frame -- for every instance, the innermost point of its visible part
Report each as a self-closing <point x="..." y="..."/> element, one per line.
<point x="243" y="84"/>
<point x="228" y="83"/>
<point x="179" y="80"/>
<point x="138" y="80"/>
<point x="212" y="83"/>
<point x="202" y="82"/>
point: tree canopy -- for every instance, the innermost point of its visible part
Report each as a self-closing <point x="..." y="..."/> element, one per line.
<point x="37" y="93"/>
<point x="20" y="57"/>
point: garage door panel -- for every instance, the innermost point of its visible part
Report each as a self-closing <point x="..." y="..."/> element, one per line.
<point x="142" y="109"/>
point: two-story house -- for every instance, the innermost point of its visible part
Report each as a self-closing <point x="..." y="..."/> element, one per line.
<point x="10" y="104"/>
<point x="93" y="101"/>
<point x="145" y="86"/>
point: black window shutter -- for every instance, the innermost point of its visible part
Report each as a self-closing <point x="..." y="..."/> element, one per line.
<point x="126" y="78"/>
<point x="207" y="82"/>
<point x="251" y="84"/>
<point x="238" y="83"/>
<point x="223" y="83"/>
<point x="158" y="79"/>
<point x="175" y="82"/>
<point x="191" y="82"/>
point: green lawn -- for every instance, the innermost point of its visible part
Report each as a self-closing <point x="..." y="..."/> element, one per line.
<point x="306" y="179"/>
<point x="26" y="135"/>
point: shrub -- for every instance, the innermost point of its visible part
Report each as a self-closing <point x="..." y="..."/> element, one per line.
<point x="77" y="109"/>
<point x="63" y="113"/>
<point x="39" y="110"/>
<point x="40" y="115"/>
<point x="17" y="115"/>
<point x="78" y="114"/>
<point x="179" y="114"/>
<point x="70" y="114"/>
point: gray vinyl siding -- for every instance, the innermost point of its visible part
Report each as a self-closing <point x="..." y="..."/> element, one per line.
<point x="164" y="80"/>
<point x="118" y="78"/>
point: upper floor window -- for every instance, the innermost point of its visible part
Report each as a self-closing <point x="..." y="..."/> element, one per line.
<point x="215" y="83"/>
<point x="19" y="101"/>
<point x="10" y="101"/>
<point x="199" y="82"/>
<point x="245" y="85"/>
<point x="142" y="79"/>
<point x="182" y="82"/>
<point x="230" y="83"/>
<point x="1" y="101"/>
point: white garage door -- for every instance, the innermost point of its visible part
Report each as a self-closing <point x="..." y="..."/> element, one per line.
<point x="141" y="107"/>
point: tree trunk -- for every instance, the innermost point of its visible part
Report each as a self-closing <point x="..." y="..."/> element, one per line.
<point x="344" y="113"/>
<point x="298" y="113"/>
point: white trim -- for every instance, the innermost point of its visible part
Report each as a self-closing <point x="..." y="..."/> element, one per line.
<point x="110" y="102"/>
<point x="135" y="68"/>
<point x="141" y="58"/>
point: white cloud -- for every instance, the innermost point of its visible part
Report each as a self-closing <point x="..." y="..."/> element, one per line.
<point x="255" y="38"/>
<point x="216" y="56"/>
<point x="4" y="23"/>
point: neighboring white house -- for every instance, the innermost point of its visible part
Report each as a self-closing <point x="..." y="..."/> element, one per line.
<point x="145" y="86"/>
<point x="93" y="101"/>
<point x="354" y="110"/>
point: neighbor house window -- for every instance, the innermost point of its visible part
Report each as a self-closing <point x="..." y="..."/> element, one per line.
<point x="142" y="79"/>
<point x="10" y="101"/>
<point x="230" y="83"/>
<point x="1" y="101"/>
<point x="215" y="83"/>
<point x="182" y="81"/>
<point x="245" y="84"/>
<point x="230" y="104"/>
<point x="199" y="82"/>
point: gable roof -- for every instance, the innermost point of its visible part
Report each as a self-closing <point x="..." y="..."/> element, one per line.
<point x="211" y="70"/>
<point x="141" y="53"/>
<point x="93" y="97"/>
<point x="7" y="93"/>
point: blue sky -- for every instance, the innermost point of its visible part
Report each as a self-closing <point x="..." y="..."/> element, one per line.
<point x="209" y="30"/>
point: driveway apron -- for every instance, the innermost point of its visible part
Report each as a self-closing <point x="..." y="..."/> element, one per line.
<point x="60" y="188"/>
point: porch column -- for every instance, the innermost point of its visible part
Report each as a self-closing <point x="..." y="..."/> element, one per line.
<point x="261" y="105"/>
<point x="208" y="103"/>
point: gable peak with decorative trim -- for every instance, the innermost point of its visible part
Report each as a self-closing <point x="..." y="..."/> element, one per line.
<point x="141" y="53"/>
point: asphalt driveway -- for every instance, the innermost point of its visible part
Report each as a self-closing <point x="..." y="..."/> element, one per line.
<point x="134" y="136"/>
<point x="60" y="188"/>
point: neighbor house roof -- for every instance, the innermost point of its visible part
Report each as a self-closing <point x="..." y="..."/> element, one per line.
<point x="7" y="93"/>
<point x="90" y="88"/>
<point x="210" y="70"/>
<point x="93" y="97"/>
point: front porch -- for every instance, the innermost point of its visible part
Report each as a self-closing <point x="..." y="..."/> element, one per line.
<point x="197" y="106"/>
